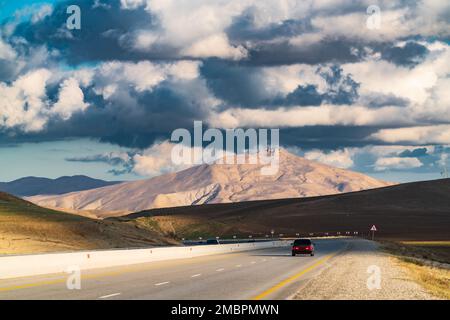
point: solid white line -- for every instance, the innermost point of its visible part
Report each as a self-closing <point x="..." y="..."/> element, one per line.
<point x="110" y="295"/>
<point x="161" y="283"/>
<point x="221" y="269"/>
<point x="196" y="275"/>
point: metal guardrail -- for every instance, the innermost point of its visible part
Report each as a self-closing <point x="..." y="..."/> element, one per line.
<point x="225" y="241"/>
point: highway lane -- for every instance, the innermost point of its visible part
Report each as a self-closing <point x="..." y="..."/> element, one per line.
<point x="260" y="274"/>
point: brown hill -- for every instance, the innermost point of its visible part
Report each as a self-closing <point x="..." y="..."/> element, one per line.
<point x="419" y="210"/>
<point x="27" y="228"/>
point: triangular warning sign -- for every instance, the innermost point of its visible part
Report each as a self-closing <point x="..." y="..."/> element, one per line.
<point x="373" y="228"/>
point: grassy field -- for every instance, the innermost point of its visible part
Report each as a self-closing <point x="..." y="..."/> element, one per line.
<point x="428" y="262"/>
<point x="412" y="211"/>
<point x="27" y="228"/>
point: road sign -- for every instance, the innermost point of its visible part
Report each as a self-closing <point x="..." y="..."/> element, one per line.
<point x="373" y="229"/>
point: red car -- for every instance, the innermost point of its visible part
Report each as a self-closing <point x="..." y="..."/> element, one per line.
<point x="303" y="246"/>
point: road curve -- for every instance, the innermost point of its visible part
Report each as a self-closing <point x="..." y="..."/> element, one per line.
<point x="261" y="274"/>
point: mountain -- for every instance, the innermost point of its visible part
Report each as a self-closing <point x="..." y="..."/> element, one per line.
<point x="27" y="228"/>
<point x="214" y="183"/>
<point x="409" y="211"/>
<point x="31" y="186"/>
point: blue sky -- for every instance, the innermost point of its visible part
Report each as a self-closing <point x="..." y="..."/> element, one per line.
<point x="8" y="8"/>
<point x="104" y="100"/>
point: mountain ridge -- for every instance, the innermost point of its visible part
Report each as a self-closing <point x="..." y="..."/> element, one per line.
<point x="214" y="183"/>
<point x="31" y="185"/>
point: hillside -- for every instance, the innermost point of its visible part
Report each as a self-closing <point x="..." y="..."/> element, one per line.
<point x="31" y="186"/>
<point x="419" y="210"/>
<point x="214" y="183"/>
<point x="27" y="228"/>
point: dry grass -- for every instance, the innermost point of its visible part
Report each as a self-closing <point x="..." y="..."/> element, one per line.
<point x="435" y="280"/>
<point x="426" y="262"/>
<point x="26" y="228"/>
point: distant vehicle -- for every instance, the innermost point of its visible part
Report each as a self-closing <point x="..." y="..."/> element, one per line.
<point x="212" y="241"/>
<point x="303" y="246"/>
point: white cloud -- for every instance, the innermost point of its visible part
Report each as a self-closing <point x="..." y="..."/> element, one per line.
<point x="157" y="159"/>
<point x="383" y="164"/>
<point x="70" y="99"/>
<point x="23" y="102"/>
<point x="143" y="75"/>
<point x="131" y="4"/>
<point x="43" y="11"/>
<point x="439" y="134"/>
<point x="285" y="79"/>
<point x="215" y="46"/>
<point x="309" y="116"/>
<point x="337" y="158"/>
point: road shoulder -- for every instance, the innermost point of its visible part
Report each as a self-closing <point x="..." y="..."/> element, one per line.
<point x="362" y="272"/>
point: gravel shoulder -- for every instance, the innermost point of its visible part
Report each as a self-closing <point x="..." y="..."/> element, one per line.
<point x="346" y="277"/>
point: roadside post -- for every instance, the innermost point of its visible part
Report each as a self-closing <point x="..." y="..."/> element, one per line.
<point x="373" y="229"/>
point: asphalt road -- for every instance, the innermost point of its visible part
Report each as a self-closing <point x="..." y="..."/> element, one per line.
<point x="260" y="274"/>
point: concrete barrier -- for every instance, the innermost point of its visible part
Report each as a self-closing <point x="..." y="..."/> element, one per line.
<point x="29" y="265"/>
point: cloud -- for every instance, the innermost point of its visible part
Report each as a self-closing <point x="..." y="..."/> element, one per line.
<point x="397" y="163"/>
<point x="324" y="115"/>
<point x="406" y="54"/>
<point x="43" y="12"/>
<point x="215" y="46"/>
<point x="70" y="99"/>
<point x="23" y="102"/>
<point x="415" y="153"/>
<point x="436" y="134"/>
<point x="336" y="158"/>
<point x="112" y="158"/>
<point x="139" y="69"/>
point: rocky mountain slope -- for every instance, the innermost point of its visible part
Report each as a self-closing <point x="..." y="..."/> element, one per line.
<point x="214" y="183"/>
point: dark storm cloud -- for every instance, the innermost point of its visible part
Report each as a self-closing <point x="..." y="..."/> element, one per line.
<point x="342" y="89"/>
<point x="416" y="153"/>
<point x="243" y="85"/>
<point x="327" y="137"/>
<point x="378" y="100"/>
<point x="234" y="83"/>
<point x="130" y="118"/>
<point x="123" y="163"/>
<point x="103" y="34"/>
<point x="242" y="29"/>
<point x="108" y="158"/>
<point x="306" y="95"/>
<point x="409" y="55"/>
<point x="137" y="119"/>
<point x="329" y="50"/>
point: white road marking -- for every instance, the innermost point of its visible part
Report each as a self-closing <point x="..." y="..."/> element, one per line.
<point x="221" y="269"/>
<point x="253" y="262"/>
<point x="238" y="265"/>
<point x="196" y="275"/>
<point x="161" y="283"/>
<point x="110" y="295"/>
